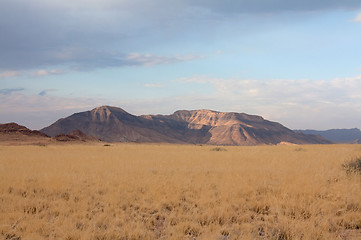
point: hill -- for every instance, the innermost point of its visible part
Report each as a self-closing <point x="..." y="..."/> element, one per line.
<point x="196" y="127"/>
<point x="13" y="133"/>
<point x="352" y="135"/>
<point x="16" y="129"/>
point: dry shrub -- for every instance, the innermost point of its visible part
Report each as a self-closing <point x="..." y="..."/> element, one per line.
<point x="353" y="166"/>
<point x="218" y="149"/>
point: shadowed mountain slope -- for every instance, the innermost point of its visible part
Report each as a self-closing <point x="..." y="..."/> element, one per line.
<point x="75" y="135"/>
<point x="352" y="135"/>
<point x="198" y="126"/>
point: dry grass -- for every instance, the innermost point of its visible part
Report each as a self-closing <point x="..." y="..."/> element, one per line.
<point x="137" y="191"/>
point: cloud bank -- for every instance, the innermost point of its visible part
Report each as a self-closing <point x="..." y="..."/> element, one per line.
<point x="41" y="38"/>
<point x="96" y="34"/>
<point x="298" y="104"/>
<point x="9" y="74"/>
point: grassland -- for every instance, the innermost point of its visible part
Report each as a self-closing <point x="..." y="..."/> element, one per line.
<point x="145" y="191"/>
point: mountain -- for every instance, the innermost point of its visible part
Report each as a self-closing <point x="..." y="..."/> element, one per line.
<point x="352" y="135"/>
<point x="232" y="128"/>
<point x="116" y="125"/>
<point x="196" y="127"/>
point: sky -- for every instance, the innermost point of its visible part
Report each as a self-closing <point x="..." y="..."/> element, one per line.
<point x="294" y="62"/>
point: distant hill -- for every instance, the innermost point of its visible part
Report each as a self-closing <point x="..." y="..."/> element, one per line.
<point x="9" y="129"/>
<point x="15" y="133"/>
<point x="352" y="135"/>
<point x="196" y="127"/>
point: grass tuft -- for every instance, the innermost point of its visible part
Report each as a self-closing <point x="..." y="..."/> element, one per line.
<point x="218" y="149"/>
<point x="353" y="166"/>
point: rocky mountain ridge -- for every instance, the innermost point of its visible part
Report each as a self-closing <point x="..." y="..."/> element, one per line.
<point x="113" y="124"/>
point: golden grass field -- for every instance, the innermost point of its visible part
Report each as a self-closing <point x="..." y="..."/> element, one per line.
<point x="150" y="191"/>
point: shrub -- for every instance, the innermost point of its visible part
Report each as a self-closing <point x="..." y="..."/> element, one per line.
<point x="218" y="149"/>
<point x="300" y="149"/>
<point x="353" y="166"/>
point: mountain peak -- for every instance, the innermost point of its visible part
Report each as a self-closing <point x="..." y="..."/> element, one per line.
<point x="103" y="113"/>
<point x="106" y="108"/>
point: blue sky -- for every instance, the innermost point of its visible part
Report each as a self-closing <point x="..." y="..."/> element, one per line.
<point x="295" y="62"/>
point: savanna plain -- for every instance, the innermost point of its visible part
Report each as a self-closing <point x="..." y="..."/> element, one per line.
<point x="161" y="191"/>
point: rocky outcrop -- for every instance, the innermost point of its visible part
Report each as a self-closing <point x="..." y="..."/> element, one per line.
<point x="14" y="128"/>
<point x="75" y="135"/>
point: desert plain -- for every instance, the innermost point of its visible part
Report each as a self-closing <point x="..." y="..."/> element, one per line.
<point x="164" y="191"/>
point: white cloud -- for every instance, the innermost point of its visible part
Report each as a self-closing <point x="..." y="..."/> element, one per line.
<point x="81" y="32"/>
<point x="9" y="74"/>
<point x="154" y="85"/>
<point x="43" y="72"/>
<point x="297" y="103"/>
<point x="278" y="90"/>
<point x="38" y="111"/>
<point x="38" y="73"/>
<point x="18" y="102"/>
<point x="357" y="18"/>
<point x="196" y="79"/>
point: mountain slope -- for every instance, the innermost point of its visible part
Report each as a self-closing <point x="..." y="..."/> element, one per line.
<point x="352" y="135"/>
<point x="75" y="135"/>
<point x="197" y="126"/>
